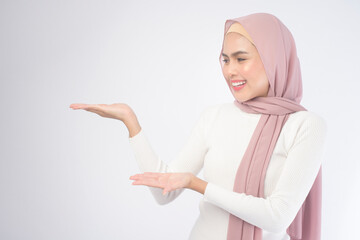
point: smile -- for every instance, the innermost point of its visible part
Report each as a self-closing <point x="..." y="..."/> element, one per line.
<point x="237" y="85"/>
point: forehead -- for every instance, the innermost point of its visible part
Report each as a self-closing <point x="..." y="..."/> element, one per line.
<point x="235" y="41"/>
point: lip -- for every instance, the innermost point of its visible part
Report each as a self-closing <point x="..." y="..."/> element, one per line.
<point x="237" y="80"/>
<point x="238" y="87"/>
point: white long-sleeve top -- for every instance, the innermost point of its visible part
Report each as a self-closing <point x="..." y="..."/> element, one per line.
<point x="217" y="143"/>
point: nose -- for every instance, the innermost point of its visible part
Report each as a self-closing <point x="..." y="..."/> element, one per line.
<point x="231" y="70"/>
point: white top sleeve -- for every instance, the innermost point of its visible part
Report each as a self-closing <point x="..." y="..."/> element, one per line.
<point x="276" y="212"/>
<point x="190" y="158"/>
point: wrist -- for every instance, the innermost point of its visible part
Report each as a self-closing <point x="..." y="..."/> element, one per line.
<point x="197" y="184"/>
<point x="129" y="116"/>
<point x="132" y="124"/>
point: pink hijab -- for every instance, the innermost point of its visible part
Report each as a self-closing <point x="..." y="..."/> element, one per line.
<point x="277" y="50"/>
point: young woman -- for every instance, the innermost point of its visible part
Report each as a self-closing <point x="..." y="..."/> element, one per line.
<point x="261" y="154"/>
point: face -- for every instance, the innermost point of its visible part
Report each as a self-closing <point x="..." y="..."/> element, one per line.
<point x="241" y="64"/>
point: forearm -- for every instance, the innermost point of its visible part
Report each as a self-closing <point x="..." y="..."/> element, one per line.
<point x="148" y="161"/>
<point x="197" y="184"/>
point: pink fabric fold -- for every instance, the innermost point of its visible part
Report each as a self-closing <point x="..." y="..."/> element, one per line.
<point x="277" y="50"/>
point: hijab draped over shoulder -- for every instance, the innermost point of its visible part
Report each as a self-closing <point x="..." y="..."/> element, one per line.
<point x="277" y="50"/>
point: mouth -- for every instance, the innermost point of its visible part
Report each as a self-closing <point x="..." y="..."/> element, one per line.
<point x="238" y="84"/>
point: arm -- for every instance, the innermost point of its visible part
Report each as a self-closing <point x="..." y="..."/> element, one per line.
<point x="276" y="212"/>
<point x="197" y="184"/>
<point x="190" y="159"/>
<point x="170" y="181"/>
<point x="132" y="124"/>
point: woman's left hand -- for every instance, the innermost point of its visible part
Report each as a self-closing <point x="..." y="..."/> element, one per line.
<point x="167" y="181"/>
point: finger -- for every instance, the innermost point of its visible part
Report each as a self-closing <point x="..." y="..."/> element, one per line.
<point x="147" y="175"/>
<point x="136" y="177"/>
<point x="82" y="106"/>
<point x="141" y="175"/>
<point x="149" y="182"/>
<point x="78" y="105"/>
<point x="147" y="179"/>
<point x="168" y="189"/>
<point x="94" y="107"/>
<point x="89" y="107"/>
<point x="95" y="111"/>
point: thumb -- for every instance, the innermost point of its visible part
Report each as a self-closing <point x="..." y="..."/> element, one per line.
<point x="165" y="191"/>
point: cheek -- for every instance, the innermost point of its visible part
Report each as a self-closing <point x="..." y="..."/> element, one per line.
<point x="255" y="70"/>
<point x="248" y="69"/>
<point x="252" y="69"/>
<point x="256" y="75"/>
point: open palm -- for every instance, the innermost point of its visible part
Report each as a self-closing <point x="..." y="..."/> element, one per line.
<point x="116" y="110"/>
<point x="167" y="181"/>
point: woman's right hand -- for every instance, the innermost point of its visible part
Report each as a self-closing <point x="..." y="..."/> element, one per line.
<point x="120" y="111"/>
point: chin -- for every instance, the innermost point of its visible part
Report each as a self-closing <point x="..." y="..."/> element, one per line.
<point x="242" y="96"/>
<point x="242" y="99"/>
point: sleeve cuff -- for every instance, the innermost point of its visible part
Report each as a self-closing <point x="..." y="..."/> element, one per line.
<point x="136" y="138"/>
<point x="222" y="197"/>
<point x="210" y="192"/>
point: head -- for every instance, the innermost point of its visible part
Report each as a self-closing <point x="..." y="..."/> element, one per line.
<point x="241" y="64"/>
<point x="259" y="51"/>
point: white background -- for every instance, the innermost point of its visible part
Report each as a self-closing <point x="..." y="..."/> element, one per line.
<point x="64" y="174"/>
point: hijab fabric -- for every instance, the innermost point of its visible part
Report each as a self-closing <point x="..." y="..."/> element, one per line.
<point x="277" y="50"/>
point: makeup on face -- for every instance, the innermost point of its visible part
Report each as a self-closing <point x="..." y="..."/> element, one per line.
<point x="238" y="84"/>
<point x="243" y="69"/>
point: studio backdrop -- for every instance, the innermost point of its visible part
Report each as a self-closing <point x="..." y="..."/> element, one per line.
<point x="64" y="174"/>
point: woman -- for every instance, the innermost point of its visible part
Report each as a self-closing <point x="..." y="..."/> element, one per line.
<point x="261" y="154"/>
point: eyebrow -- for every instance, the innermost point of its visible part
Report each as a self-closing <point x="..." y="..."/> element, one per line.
<point x="235" y="53"/>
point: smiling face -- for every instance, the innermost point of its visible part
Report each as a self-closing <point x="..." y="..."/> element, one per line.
<point x="241" y="64"/>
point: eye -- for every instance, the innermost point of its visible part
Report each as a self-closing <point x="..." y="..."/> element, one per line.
<point x="239" y="60"/>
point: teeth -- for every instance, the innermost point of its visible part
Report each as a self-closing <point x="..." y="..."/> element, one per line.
<point x="238" y="83"/>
